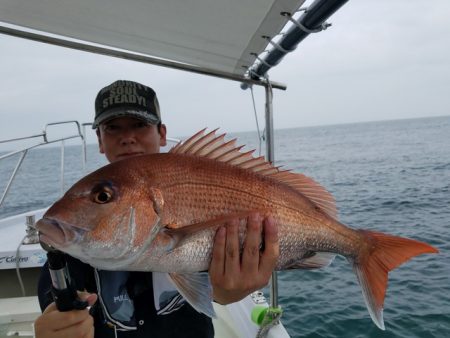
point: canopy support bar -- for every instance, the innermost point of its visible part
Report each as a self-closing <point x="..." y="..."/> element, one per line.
<point x="270" y="156"/>
<point x="134" y="57"/>
<point x="311" y="21"/>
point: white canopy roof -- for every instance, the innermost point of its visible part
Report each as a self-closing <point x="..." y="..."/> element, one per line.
<point x="219" y="35"/>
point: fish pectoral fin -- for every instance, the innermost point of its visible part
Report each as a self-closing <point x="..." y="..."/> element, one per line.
<point x="180" y="232"/>
<point x="196" y="289"/>
<point x="317" y="260"/>
<point x="183" y="231"/>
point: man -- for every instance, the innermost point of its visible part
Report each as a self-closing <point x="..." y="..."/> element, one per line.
<point x="144" y="304"/>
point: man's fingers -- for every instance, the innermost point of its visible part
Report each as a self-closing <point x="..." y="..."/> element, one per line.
<point x="232" y="252"/>
<point x="91" y="333"/>
<point x="240" y="276"/>
<point x="63" y="320"/>
<point x="54" y="320"/>
<point x="91" y="298"/>
<point x="50" y="308"/>
<point x="83" y="329"/>
<point x="271" y="251"/>
<point x="252" y="245"/>
<point x="217" y="266"/>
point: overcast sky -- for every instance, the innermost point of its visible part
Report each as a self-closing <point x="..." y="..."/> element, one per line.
<point x="385" y="59"/>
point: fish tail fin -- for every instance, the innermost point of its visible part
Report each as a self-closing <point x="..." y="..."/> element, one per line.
<point x="383" y="254"/>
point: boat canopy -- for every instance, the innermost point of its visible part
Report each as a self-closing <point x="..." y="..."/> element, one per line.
<point x="233" y="38"/>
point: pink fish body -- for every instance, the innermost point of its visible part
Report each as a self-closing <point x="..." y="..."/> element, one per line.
<point x="160" y="212"/>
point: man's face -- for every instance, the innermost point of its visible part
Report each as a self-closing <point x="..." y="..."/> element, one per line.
<point x="127" y="136"/>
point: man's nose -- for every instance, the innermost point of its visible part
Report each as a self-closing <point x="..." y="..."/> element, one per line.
<point x="128" y="136"/>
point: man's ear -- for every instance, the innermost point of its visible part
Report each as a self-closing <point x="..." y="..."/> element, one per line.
<point x="162" y="135"/>
<point x="100" y="144"/>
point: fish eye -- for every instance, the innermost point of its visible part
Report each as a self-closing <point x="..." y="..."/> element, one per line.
<point x="102" y="193"/>
<point x="102" y="197"/>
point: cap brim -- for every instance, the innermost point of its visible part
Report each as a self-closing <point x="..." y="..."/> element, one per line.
<point x="139" y="114"/>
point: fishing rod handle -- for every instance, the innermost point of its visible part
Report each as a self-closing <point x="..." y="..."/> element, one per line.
<point x="64" y="294"/>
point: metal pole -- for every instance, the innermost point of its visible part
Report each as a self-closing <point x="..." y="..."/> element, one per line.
<point x="83" y="147"/>
<point x="270" y="155"/>
<point x="24" y="153"/>
<point x="62" y="168"/>
<point x="269" y="125"/>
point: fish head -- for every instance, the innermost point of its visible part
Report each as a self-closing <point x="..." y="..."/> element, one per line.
<point x="104" y="219"/>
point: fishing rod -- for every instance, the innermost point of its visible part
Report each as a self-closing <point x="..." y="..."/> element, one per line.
<point x="64" y="293"/>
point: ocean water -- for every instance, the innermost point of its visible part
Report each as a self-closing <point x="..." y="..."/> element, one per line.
<point x="391" y="176"/>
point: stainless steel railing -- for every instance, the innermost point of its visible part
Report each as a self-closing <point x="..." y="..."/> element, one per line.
<point x="80" y="133"/>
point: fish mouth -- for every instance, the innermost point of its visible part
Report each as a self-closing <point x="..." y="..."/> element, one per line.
<point x="56" y="233"/>
<point x="115" y="253"/>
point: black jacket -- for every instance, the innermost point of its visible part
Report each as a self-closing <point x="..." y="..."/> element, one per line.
<point x="185" y="322"/>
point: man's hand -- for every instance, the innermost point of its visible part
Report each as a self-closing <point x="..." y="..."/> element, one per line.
<point x="76" y="323"/>
<point x="234" y="277"/>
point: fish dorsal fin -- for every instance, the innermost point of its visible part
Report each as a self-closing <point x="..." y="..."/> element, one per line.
<point x="215" y="147"/>
<point x="309" y="188"/>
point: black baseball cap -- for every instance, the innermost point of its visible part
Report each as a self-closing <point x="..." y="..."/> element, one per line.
<point x="126" y="98"/>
